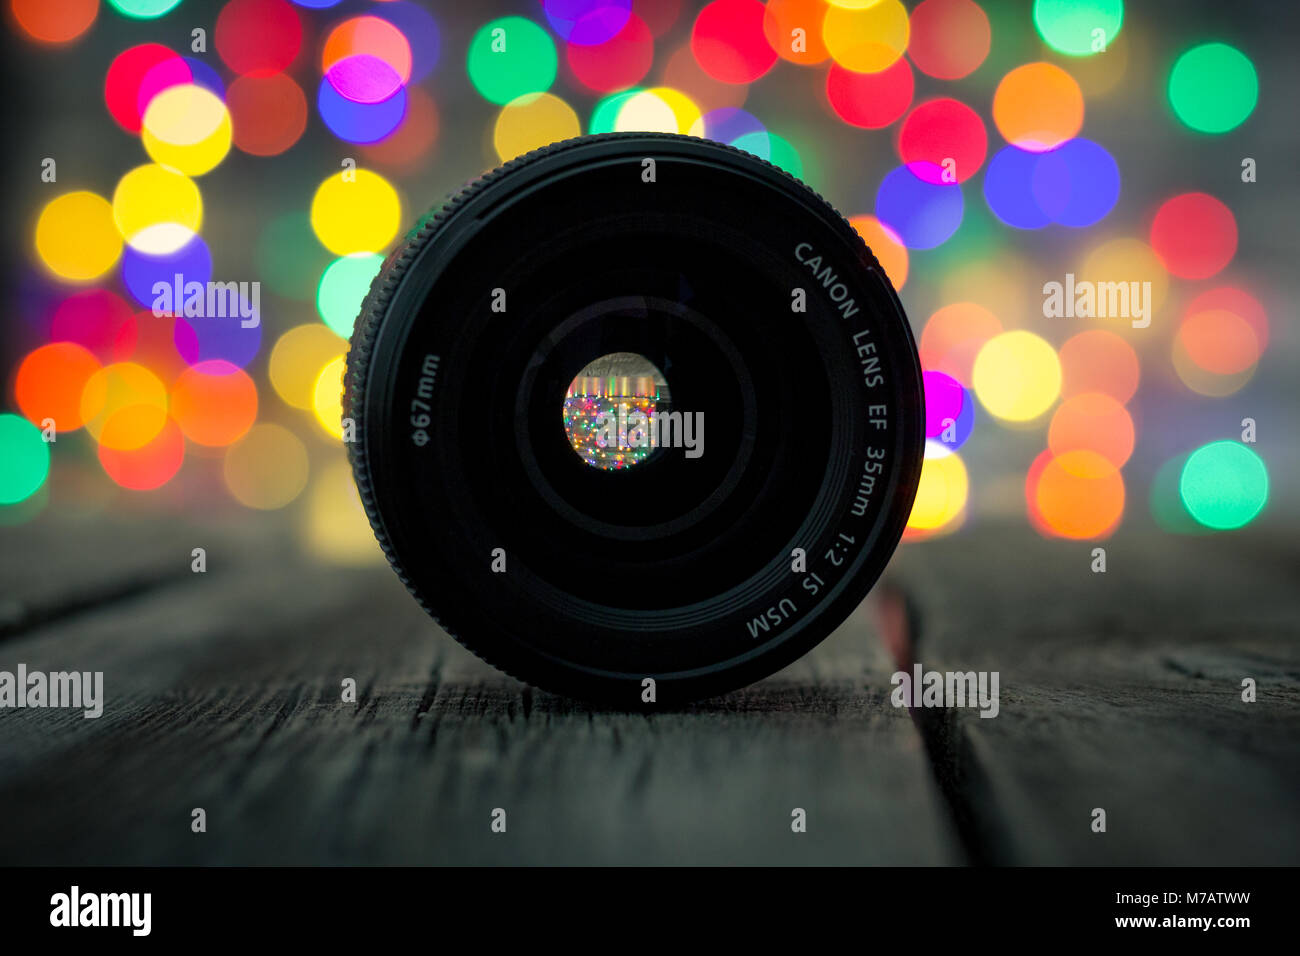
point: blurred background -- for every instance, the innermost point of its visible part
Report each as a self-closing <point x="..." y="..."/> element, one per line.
<point x="982" y="150"/>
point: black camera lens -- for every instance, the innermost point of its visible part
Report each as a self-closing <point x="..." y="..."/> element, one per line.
<point x="636" y="407"/>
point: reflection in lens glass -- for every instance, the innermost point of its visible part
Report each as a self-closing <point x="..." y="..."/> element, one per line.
<point x="611" y="409"/>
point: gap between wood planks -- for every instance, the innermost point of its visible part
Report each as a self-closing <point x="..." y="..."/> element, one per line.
<point x="957" y="771"/>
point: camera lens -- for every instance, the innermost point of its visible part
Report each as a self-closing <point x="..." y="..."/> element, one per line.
<point x="636" y="407"/>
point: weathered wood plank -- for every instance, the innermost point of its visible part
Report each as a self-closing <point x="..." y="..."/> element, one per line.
<point x="1121" y="691"/>
<point x="223" y="693"/>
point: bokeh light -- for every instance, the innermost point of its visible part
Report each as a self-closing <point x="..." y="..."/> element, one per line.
<point x="343" y="286"/>
<point x="953" y="337"/>
<point x="1077" y="184"/>
<point x="187" y="128"/>
<point x="777" y="150"/>
<point x="1194" y="234"/>
<point x="335" y="528"/>
<point x="172" y="71"/>
<point x="408" y="147"/>
<point x="268" y="114"/>
<point x="1038" y="106"/>
<point x="1092" y="421"/>
<point x="360" y="122"/>
<point x="24" y="459"/>
<point x="1202" y="381"/>
<point x="76" y="236"/>
<point x="1213" y="88"/>
<point x="151" y="465"/>
<point x="327" y="396"/>
<point x="155" y="345"/>
<point x="157" y="209"/>
<point x="949" y="417"/>
<point x="1078" y="27"/>
<point x="214" y="402"/>
<point x="941" y="493"/>
<point x="54" y="21"/>
<point x="726" y="125"/>
<point x="943" y="141"/>
<point x="923" y="214"/>
<point x="125" y="76"/>
<point x="660" y="109"/>
<point x="149" y="388"/>
<point x="143" y="9"/>
<point x="1099" y="361"/>
<point x="421" y="32"/>
<point x="258" y="37"/>
<point x="356" y="211"/>
<point x="97" y="320"/>
<point x="1127" y="260"/>
<point x="509" y="58"/>
<point x="267" y="468"/>
<point x="949" y="38"/>
<point x="1017" y="376"/>
<point x="201" y="74"/>
<point x="1079" y="494"/>
<point x="1008" y="189"/>
<point x="616" y="64"/>
<point x="1224" y="485"/>
<point x="50" y="381"/>
<point x="729" y="41"/>
<point x="587" y="22"/>
<point x="1237" y="301"/>
<point x="604" y="116"/>
<point x="124" y="405"/>
<point x="886" y="246"/>
<point x="531" y="122"/>
<point x="870" y="100"/>
<point x="793" y="29"/>
<point x="142" y="271"/>
<point x="1219" y="341"/>
<point x="366" y="59"/>
<point x="213" y="336"/>
<point x="866" y="39"/>
<point x="297" y="359"/>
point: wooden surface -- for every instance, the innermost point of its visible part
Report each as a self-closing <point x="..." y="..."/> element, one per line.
<point x="1119" y="691"/>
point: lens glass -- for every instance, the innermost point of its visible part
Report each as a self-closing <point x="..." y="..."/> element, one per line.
<point x="616" y="410"/>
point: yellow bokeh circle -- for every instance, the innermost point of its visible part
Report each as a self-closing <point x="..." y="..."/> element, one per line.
<point x="297" y="359"/>
<point x="1128" y="261"/>
<point x="186" y="128"/>
<point x="327" y="396"/>
<point x="867" y="39"/>
<point x="76" y="236"/>
<point x="335" y="528"/>
<point x="531" y="122"/>
<point x="157" y="210"/>
<point x="941" y="493"/>
<point x="1017" y="376"/>
<point x="356" y="211"/>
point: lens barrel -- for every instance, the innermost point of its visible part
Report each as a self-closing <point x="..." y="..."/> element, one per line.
<point x="636" y="407"/>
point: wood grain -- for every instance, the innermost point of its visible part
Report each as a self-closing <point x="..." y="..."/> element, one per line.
<point x="224" y="693"/>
